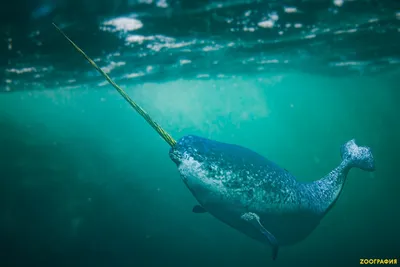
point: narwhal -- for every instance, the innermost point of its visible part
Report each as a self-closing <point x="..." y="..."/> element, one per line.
<point x="249" y="192"/>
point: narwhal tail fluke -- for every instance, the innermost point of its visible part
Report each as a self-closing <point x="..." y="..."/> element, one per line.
<point x="135" y="106"/>
<point x="325" y="191"/>
<point x="357" y="156"/>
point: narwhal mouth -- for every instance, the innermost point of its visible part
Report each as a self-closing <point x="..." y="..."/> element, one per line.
<point x="175" y="156"/>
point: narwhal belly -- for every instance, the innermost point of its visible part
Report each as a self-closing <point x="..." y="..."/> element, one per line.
<point x="288" y="224"/>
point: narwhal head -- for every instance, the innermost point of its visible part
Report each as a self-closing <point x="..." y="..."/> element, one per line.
<point x="197" y="162"/>
<point x="189" y="147"/>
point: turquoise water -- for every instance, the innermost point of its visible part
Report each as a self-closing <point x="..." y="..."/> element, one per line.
<point x="86" y="181"/>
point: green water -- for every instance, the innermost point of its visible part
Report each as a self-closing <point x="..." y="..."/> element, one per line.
<point x="86" y="182"/>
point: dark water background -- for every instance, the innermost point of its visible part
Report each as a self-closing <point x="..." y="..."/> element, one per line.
<point x="84" y="181"/>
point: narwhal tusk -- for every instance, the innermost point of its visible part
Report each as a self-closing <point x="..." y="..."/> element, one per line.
<point x="135" y="106"/>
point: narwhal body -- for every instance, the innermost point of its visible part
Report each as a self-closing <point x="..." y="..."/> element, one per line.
<point x="248" y="192"/>
<point x="254" y="195"/>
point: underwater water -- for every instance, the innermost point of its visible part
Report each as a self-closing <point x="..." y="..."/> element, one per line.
<point x="85" y="181"/>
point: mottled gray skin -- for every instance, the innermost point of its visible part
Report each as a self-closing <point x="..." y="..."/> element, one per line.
<point x="230" y="180"/>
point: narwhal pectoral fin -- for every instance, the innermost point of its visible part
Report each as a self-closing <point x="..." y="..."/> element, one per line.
<point x="254" y="219"/>
<point x="199" y="209"/>
<point x="273" y="242"/>
<point x="275" y="252"/>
